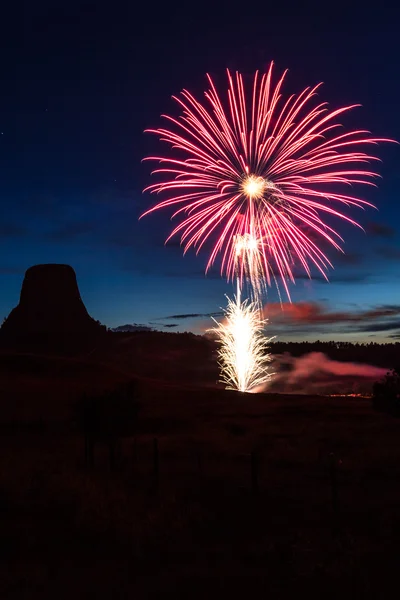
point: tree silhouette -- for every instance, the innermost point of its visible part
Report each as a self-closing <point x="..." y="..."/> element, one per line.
<point x="386" y="393"/>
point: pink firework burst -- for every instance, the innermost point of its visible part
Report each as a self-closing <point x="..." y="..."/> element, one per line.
<point x="260" y="168"/>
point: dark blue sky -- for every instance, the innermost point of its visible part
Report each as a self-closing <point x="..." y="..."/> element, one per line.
<point x="80" y="83"/>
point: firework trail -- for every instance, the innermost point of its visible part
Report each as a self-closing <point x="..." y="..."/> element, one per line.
<point x="258" y="168"/>
<point x="249" y="267"/>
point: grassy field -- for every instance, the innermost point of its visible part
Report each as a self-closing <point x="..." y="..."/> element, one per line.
<point x="200" y="529"/>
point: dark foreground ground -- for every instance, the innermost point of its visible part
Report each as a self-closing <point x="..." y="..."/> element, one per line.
<point x="201" y="529"/>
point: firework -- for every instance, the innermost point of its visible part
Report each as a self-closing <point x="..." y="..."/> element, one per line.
<point x="261" y="169"/>
<point x="243" y="352"/>
<point x="259" y="179"/>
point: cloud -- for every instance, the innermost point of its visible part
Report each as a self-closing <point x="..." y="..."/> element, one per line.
<point x="11" y="271"/>
<point x="172" y="244"/>
<point x="111" y="196"/>
<point x="389" y="252"/>
<point x="127" y="238"/>
<point x="69" y="231"/>
<point x="379" y="230"/>
<point x="385" y="326"/>
<point x="351" y="278"/>
<point x="332" y="277"/>
<point x="170" y="325"/>
<point x="192" y="316"/>
<point x="312" y="312"/>
<point x="11" y="230"/>
<point x="196" y="274"/>
<point x="45" y="205"/>
<point x="132" y="327"/>
<point x="308" y="317"/>
<point x="181" y="273"/>
<point x="349" y="258"/>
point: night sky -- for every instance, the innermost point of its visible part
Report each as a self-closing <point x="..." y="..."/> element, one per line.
<point x="80" y="83"/>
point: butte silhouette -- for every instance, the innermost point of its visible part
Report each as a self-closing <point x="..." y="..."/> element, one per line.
<point x="51" y="314"/>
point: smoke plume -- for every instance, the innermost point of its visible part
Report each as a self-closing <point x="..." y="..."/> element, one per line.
<point x="316" y="373"/>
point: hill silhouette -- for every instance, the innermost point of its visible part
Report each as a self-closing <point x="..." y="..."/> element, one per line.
<point x="50" y="313"/>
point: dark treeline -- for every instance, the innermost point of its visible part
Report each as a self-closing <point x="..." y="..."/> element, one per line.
<point x="381" y="355"/>
<point x="171" y="350"/>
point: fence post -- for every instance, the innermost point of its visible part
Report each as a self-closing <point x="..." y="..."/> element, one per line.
<point x="334" y="491"/>
<point x="134" y="451"/>
<point x="111" y="451"/>
<point x="199" y="464"/>
<point x="156" y="470"/>
<point x="254" y="462"/>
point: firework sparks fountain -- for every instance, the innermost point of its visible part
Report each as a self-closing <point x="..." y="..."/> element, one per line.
<point x="259" y="180"/>
<point x="243" y="352"/>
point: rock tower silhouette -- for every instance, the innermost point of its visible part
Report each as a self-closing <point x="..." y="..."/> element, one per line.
<point x="50" y="308"/>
